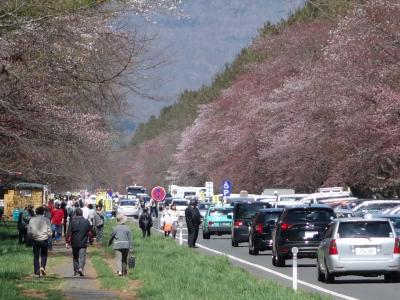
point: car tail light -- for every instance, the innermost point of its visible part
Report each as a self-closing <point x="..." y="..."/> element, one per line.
<point x="259" y="228"/>
<point x="284" y="226"/>
<point x="333" y="248"/>
<point x="237" y="223"/>
<point x="210" y="223"/>
<point x="396" y="249"/>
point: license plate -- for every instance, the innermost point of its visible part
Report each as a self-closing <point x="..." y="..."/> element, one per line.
<point x="366" y="251"/>
<point x="310" y="234"/>
<point x="226" y="224"/>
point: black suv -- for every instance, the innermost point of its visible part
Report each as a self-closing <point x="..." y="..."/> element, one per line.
<point x="301" y="226"/>
<point x="261" y="229"/>
<point x="243" y="212"/>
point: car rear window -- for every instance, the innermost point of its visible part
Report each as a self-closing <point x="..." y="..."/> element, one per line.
<point x="309" y="215"/>
<point x="365" y="229"/>
<point x="248" y="210"/>
<point x="264" y="218"/>
<point x="127" y="203"/>
<point x="220" y="211"/>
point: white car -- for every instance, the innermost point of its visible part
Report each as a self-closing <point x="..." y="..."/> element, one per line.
<point x="374" y="207"/>
<point x="128" y="207"/>
<point x="181" y="205"/>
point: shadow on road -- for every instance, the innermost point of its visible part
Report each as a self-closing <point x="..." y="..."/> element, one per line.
<point x="302" y="265"/>
<point x="362" y="280"/>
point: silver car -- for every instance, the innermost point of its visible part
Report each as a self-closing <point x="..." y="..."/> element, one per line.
<point x="356" y="246"/>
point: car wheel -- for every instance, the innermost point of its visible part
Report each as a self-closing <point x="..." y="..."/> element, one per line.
<point x="321" y="276"/>
<point x="280" y="262"/>
<point x="392" y="277"/>
<point x="206" y="235"/>
<point x="235" y="244"/>
<point x="273" y="258"/>
<point x="329" y="277"/>
<point x="255" y="251"/>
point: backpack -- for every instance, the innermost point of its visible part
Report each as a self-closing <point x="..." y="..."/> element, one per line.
<point x="98" y="219"/>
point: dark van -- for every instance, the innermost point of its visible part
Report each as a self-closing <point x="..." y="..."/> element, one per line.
<point x="261" y="229"/>
<point x="243" y="212"/>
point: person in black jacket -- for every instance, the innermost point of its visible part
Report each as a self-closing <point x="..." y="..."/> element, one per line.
<point x="79" y="231"/>
<point x="145" y="222"/>
<point x="192" y="215"/>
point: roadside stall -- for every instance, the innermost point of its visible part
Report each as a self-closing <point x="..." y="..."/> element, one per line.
<point x="18" y="195"/>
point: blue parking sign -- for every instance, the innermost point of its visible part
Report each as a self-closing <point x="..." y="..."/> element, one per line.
<point x="226" y="188"/>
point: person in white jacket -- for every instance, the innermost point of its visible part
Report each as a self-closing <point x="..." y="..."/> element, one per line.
<point x="167" y="220"/>
<point x="174" y="219"/>
<point x="39" y="230"/>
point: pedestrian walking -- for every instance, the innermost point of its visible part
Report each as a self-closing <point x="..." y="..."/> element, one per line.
<point x="166" y="220"/>
<point x="78" y="235"/>
<point x="21" y="227"/>
<point x="145" y="222"/>
<point x="153" y="207"/>
<point x="121" y="238"/>
<point x="99" y="224"/>
<point x="57" y="217"/>
<point x="47" y="215"/>
<point x="39" y="230"/>
<point x="27" y="215"/>
<point x="193" y="221"/>
<point x="65" y="218"/>
<point x="174" y="219"/>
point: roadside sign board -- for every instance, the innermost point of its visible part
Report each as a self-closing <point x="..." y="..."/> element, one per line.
<point x="209" y="189"/>
<point x="226" y="188"/>
<point x="158" y="193"/>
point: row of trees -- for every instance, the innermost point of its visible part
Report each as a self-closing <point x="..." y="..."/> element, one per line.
<point x="64" y="69"/>
<point x="322" y="108"/>
<point x="324" y="111"/>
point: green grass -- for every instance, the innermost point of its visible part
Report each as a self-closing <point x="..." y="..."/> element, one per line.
<point x="169" y="271"/>
<point x="16" y="268"/>
<point x="108" y="279"/>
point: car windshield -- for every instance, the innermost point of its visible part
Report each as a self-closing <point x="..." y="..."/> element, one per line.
<point x="220" y="211"/>
<point x="180" y="203"/>
<point x="289" y="198"/>
<point x="364" y="229"/>
<point x="127" y="203"/>
<point x="248" y="210"/>
<point x="309" y="215"/>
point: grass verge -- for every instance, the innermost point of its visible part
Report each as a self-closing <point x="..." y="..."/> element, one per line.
<point x="169" y="271"/>
<point x="16" y="269"/>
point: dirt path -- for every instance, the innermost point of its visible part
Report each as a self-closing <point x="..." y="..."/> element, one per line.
<point x="76" y="287"/>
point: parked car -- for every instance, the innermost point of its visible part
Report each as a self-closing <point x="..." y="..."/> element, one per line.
<point x="359" y="247"/>
<point x="216" y="221"/>
<point x="127" y="207"/>
<point x="262" y="226"/>
<point x="243" y="212"/>
<point x="181" y="205"/>
<point x="373" y="207"/>
<point x="301" y="226"/>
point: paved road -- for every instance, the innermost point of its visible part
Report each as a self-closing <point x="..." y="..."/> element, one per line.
<point x="348" y="287"/>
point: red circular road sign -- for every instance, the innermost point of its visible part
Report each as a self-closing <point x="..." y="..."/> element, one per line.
<point x="158" y="193"/>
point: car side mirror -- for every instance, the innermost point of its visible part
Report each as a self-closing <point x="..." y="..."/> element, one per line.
<point x="229" y="217"/>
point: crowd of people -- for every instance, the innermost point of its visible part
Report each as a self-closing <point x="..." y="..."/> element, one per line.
<point x="76" y="223"/>
<point x="68" y="221"/>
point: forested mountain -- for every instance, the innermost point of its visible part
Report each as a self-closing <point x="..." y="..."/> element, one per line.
<point x="313" y="101"/>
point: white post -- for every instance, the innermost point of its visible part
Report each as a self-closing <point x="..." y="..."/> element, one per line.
<point x="295" y="250"/>
<point x="180" y="233"/>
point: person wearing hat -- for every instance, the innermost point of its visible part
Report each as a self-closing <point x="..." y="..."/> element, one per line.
<point x="121" y="237"/>
<point x="193" y="221"/>
<point x="78" y="234"/>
